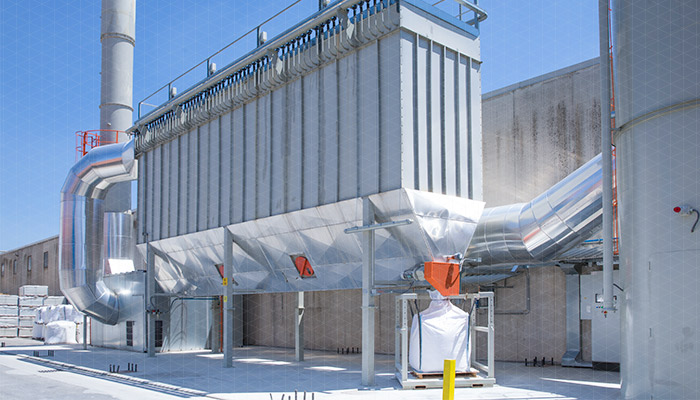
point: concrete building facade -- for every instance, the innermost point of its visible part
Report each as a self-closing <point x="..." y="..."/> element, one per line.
<point x="33" y="264"/>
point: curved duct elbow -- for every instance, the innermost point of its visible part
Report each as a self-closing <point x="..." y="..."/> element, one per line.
<point x="543" y="229"/>
<point x="81" y="232"/>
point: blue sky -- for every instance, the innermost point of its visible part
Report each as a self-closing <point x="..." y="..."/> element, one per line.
<point x="50" y="81"/>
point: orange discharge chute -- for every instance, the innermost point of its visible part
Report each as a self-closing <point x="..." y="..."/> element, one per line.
<point x="444" y="276"/>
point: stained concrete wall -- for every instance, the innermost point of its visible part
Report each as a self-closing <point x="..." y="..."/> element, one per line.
<point x="534" y="134"/>
<point x="40" y="274"/>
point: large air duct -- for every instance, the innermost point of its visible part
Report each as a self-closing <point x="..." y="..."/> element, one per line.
<point x="543" y="229"/>
<point x="81" y="232"/>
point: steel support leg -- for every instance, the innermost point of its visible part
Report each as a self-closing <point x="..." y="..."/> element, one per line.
<point x="85" y="324"/>
<point x="150" y="292"/>
<point x="367" y="295"/>
<point x="572" y="357"/>
<point x="228" y="299"/>
<point x="299" y="328"/>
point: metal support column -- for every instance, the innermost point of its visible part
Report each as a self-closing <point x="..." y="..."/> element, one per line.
<point x="572" y="357"/>
<point x="228" y="299"/>
<point x="606" y="144"/>
<point x="150" y="293"/>
<point x="85" y="325"/>
<point x="299" y="328"/>
<point x="367" y="295"/>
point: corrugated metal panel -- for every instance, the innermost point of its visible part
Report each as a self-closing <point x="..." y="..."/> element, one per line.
<point x="226" y="167"/>
<point x="449" y="115"/>
<point x="174" y="196"/>
<point x="214" y="156"/>
<point x="347" y="100"/>
<point x="463" y="136"/>
<point x="368" y="111"/>
<point x="328" y="98"/>
<point x="309" y="156"/>
<point x="263" y="157"/>
<point x="394" y="113"/>
<point x="409" y="173"/>
<point x="249" y="171"/>
<point x="389" y="114"/>
<point x="192" y="170"/>
<point x="293" y="156"/>
<point x="238" y="171"/>
<point x="279" y="150"/>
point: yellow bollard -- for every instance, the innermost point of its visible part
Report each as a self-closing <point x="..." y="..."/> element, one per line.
<point x="448" y="380"/>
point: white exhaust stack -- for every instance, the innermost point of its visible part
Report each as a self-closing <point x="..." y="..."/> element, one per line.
<point x="116" y="95"/>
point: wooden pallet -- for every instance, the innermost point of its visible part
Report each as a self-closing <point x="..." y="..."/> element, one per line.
<point x="428" y="375"/>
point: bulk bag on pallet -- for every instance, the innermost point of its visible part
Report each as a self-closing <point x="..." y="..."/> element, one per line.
<point x="60" y="332"/>
<point x="439" y="333"/>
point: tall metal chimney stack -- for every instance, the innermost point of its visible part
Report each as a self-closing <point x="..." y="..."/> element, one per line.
<point x="116" y="95"/>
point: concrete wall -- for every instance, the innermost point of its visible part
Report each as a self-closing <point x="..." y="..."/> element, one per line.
<point x="10" y="281"/>
<point x="534" y="134"/>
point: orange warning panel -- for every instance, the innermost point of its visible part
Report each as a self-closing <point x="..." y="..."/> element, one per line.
<point x="304" y="267"/>
<point x="444" y="276"/>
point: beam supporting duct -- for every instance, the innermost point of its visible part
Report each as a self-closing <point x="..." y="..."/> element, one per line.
<point x="367" y="294"/>
<point x="228" y="299"/>
<point x="81" y="233"/>
<point x="299" y="328"/>
<point x="150" y="298"/>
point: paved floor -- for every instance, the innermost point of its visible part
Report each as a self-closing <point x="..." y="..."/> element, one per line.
<point x="258" y="373"/>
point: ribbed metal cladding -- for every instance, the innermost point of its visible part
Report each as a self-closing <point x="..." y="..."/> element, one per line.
<point x="341" y="117"/>
<point x="82" y="228"/>
<point x="545" y="228"/>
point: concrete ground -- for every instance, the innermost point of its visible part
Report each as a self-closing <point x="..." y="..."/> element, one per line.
<point x="258" y="373"/>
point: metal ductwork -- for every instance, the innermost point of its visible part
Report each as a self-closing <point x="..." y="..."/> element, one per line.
<point x="82" y="222"/>
<point x="543" y="229"/>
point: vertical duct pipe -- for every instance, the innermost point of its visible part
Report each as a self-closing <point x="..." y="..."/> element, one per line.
<point x="657" y="94"/>
<point x="117" y="37"/>
<point x="82" y="227"/>
<point x="605" y="138"/>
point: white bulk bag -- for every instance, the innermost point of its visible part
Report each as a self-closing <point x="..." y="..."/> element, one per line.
<point x="38" y="331"/>
<point x="439" y="333"/>
<point x="60" y="332"/>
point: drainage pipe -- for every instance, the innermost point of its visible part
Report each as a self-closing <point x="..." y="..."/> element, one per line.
<point x="605" y="143"/>
<point x="543" y="229"/>
<point x="82" y="224"/>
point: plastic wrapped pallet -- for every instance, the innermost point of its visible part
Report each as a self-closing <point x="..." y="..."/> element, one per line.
<point x="27" y="311"/>
<point x="31" y="301"/>
<point x="8" y="332"/>
<point x="8" y="322"/>
<point x="8" y="300"/>
<point x="54" y="300"/>
<point x="9" y="311"/>
<point x="439" y="333"/>
<point x="34" y="290"/>
<point x="25" y="332"/>
<point x="60" y="332"/>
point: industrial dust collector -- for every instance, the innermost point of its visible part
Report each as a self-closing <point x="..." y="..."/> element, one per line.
<point x="367" y="112"/>
<point x="376" y="99"/>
